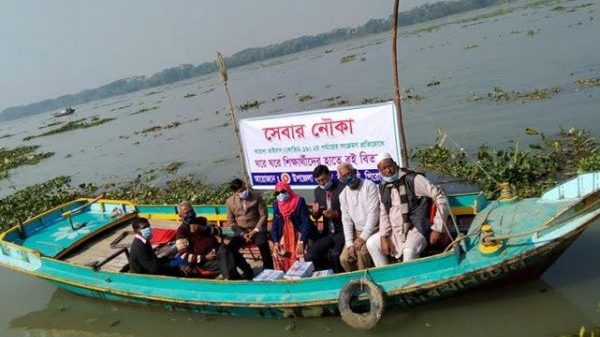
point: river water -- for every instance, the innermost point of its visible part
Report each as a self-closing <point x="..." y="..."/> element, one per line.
<point x="527" y="48"/>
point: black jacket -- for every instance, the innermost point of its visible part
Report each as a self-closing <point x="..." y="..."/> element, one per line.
<point x="321" y="198"/>
<point x="142" y="259"/>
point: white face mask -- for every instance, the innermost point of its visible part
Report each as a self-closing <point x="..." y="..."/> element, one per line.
<point x="244" y="195"/>
<point x="283" y="196"/>
<point x="391" y="179"/>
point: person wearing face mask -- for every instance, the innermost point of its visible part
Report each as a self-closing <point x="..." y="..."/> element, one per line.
<point x="325" y="251"/>
<point x="291" y="228"/>
<point x="359" y="203"/>
<point x="142" y="259"/>
<point x="247" y="217"/>
<point x="405" y="229"/>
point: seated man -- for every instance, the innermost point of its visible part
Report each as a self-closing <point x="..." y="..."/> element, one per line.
<point x="325" y="251"/>
<point x="359" y="203"/>
<point x="208" y="240"/>
<point x="197" y="247"/>
<point x="142" y="259"/>
<point x="404" y="226"/>
<point x="247" y="217"/>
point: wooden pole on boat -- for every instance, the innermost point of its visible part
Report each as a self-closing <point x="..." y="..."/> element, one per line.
<point x="236" y="129"/>
<point x="397" y="99"/>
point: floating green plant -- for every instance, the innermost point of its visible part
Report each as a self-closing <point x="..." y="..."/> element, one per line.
<point x="6" y="135"/>
<point x="144" y="109"/>
<point x="158" y="128"/>
<point x="433" y="83"/>
<point x="531" y="170"/>
<point x="500" y="95"/>
<point x="172" y="167"/>
<point x="251" y="104"/>
<point x="305" y="98"/>
<point x="471" y="46"/>
<point x="588" y="82"/>
<point x="189" y="94"/>
<point x="348" y="58"/>
<point x="73" y="125"/>
<point x="20" y="156"/>
<point x="51" y="124"/>
<point x="335" y="101"/>
<point x="277" y="97"/>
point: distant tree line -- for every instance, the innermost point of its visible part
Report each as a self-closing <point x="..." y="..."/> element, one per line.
<point x="419" y="14"/>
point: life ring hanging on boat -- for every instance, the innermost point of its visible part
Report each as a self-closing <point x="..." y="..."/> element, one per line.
<point x="366" y="320"/>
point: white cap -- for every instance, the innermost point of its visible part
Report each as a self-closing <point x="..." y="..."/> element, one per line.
<point x="381" y="157"/>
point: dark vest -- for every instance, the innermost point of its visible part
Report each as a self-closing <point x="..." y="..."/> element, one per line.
<point x="419" y="207"/>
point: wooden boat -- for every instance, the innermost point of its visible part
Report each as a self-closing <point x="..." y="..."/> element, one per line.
<point x="64" y="112"/>
<point x="76" y="247"/>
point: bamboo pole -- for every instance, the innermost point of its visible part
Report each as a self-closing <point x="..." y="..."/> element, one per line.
<point x="223" y="75"/>
<point x="397" y="99"/>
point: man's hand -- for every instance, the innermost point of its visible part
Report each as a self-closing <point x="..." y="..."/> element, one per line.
<point x="358" y="243"/>
<point x="351" y="251"/>
<point x="329" y="213"/>
<point x="386" y="246"/>
<point x="300" y="249"/>
<point x="250" y="235"/>
<point x="210" y="256"/>
<point x="314" y="208"/>
<point x="434" y="237"/>
<point x="185" y="269"/>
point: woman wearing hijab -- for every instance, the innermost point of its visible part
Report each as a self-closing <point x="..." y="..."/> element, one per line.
<point x="291" y="227"/>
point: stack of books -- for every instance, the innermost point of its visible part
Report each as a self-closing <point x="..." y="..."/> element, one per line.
<point x="299" y="269"/>
<point x="269" y="275"/>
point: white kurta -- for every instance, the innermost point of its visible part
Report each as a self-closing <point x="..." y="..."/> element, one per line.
<point x="407" y="242"/>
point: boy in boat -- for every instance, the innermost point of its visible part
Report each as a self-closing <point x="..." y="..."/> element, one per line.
<point x="142" y="259"/>
<point x="247" y="217"/>
<point x="405" y="229"/>
<point x="325" y="251"/>
<point x="359" y="203"/>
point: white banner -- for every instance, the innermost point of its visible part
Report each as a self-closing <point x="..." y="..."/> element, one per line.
<point x="289" y="146"/>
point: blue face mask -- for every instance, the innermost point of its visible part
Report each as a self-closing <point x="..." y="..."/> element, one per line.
<point x="390" y="179"/>
<point x="244" y="195"/>
<point x="189" y="216"/>
<point x="350" y="179"/>
<point x="283" y="196"/>
<point x="327" y="185"/>
<point x="146" y="233"/>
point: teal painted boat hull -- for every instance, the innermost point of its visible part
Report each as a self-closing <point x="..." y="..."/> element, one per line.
<point x="539" y="230"/>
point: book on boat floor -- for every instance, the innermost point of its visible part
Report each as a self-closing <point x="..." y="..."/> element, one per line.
<point x="299" y="269"/>
<point x="269" y="275"/>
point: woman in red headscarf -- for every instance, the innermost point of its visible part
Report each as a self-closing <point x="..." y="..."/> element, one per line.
<point x="291" y="228"/>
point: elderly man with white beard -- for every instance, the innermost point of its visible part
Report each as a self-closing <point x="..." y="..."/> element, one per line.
<point x="405" y="229"/>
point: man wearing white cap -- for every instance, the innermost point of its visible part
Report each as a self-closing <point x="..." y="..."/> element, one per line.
<point x="405" y="229"/>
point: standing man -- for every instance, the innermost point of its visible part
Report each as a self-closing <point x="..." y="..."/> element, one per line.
<point x="247" y="217"/>
<point x="325" y="251"/>
<point x="404" y="226"/>
<point x="359" y="203"/>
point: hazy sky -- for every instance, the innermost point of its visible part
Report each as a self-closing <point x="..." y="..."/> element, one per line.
<point x="55" y="47"/>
